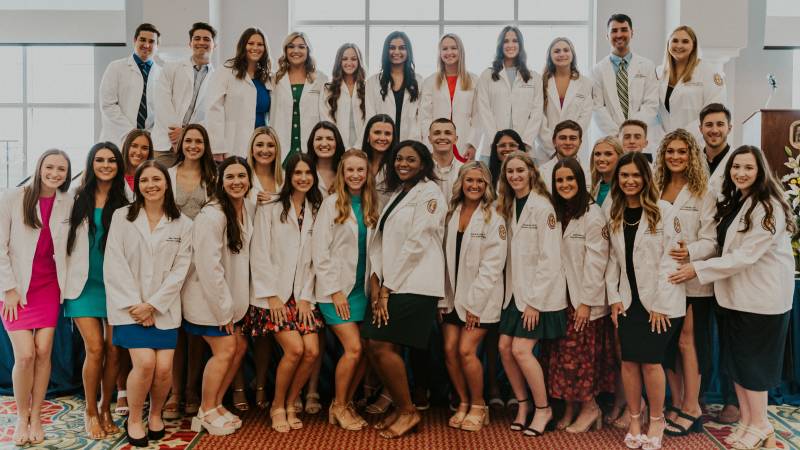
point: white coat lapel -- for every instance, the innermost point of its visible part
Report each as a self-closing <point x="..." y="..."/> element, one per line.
<point x="641" y="230"/>
<point x="730" y="233"/>
<point x="552" y="95"/>
<point x="526" y="211"/>
<point x="452" y="229"/>
<point x="308" y="221"/>
<point x="412" y="194"/>
<point x="504" y="76"/>
<point x="572" y="89"/>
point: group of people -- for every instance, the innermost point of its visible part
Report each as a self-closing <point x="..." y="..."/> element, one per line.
<point x="262" y="207"/>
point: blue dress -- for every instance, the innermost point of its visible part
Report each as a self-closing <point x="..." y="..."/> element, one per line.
<point x="357" y="298"/>
<point x="262" y="103"/>
<point x="92" y="300"/>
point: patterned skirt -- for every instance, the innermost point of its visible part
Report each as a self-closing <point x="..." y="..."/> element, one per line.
<point x="581" y="365"/>
<point x="257" y="321"/>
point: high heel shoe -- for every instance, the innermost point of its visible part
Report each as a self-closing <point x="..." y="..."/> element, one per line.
<point x="281" y="426"/>
<point x="380" y="405"/>
<point x="135" y="442"/>
<point x="313" y="406"/>
<point x="474" y="422"/>
<point x="654" y="442"/>
<point x="596" y="424"/>
<point x="533" y="432"/>
<point x="340" y="414"/>
<point x="457" y="418"/>
<point x="675" y="429"/>
<point x="294" y="422"/>
<point x="156" y="435"/>
<point x="352" y="409"/>
<point x="737" y="432"/>
<point x="219" y="426"/>
<point x="634" y="440"/>
<point x="241" y="404"/>
<point x="261" y="398"/>
<point x="516" y="426"/>
<point x="391" y="432"/>
<point x="754" y="439"/>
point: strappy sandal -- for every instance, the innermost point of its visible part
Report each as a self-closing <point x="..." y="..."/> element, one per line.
<point x="390" y="433"/>
<point x="533" y="432"/>
<point x="762" y="439"/>
<point x="474" y="422"/>
<point x="172" y="408"/>
<point x="219" y="426"/>
<point x="737" y="432"/>
<point x="457" y="418"/>
<point x="673" y="428"/>
<point x="232" y="418"/>
<point x="261" y="398"/>
<point x="313" y="405"/>
<point x="634" y="440"/>
<point x="381" y="405"/>
<point x="294" y="422"/>
<point x="281" y="426"/>
<point x="122" y="410"/>
<point x="352" y="408"/>
<point x="654" y="442"/>
<point x="516" y="426"/>
<point x="340" y="415"/>
<point x="241" y="405"/>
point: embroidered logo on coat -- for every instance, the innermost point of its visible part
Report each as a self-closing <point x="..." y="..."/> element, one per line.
<point x="604" y="232"/>
<point x="718" y="79"/>
<point x="677" y="224"/>
<point x="432" y="205"/>
<point x="551" y="221"/>
<point x="502" y="232"/>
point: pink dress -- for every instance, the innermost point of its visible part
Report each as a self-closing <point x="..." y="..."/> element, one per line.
<point x="43" y="294"/>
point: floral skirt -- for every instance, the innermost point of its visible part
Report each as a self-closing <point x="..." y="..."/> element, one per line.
<point x="257" y="321"/>
<point x="582" y="364"/>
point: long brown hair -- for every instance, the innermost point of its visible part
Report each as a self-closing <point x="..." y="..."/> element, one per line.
<point x="126" y="146"/>
<point x="31" y="192"/>
<point x="239" y="62"/>
<point x="208" y="168"/>
<point x="669" y="61"/>
<point x="648" y="196"/>
<point x="170" y="208"/>
<point x="314" y="196"/>
<point x="283" y="62"/>
<point x="233" y="230"/>
<point x="335" y="85"/>
<point x="505" y="199"/>
<point x="369" y="196"/>
<point x="550" y="67"/>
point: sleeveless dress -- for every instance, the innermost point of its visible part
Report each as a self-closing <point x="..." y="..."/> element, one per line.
<point x="92" y="300"/>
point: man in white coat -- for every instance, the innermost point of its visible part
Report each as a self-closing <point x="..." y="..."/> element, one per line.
<point x="126" y="90"/>
<point x="625" y="83"/>
<point x="442" y="137"/>
<point x="715" y="125"/>
<point x="567" y="139"/>
<point x="180" y="91"/>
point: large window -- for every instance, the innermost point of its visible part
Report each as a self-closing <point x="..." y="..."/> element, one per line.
<point x="46" y="101"/>
<point x="478" y="23"/>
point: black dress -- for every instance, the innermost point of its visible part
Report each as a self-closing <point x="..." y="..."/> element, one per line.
<point x="638" y="343"/>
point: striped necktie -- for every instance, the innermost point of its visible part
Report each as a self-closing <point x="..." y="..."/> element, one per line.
<point x="622" y="87"/>
<point x="141" y="118"/>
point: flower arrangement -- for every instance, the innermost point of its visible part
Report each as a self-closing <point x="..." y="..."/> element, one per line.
<point x="791" y="193"/>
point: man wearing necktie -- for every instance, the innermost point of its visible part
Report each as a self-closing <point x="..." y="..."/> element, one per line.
<point x="126" y="88"/>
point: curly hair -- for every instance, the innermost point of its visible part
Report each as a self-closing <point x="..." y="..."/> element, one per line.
<point x="696" y="174"/>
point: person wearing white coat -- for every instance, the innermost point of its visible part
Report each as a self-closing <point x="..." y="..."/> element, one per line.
<point x="397" y="90"/>
<point x="442" y="139"/>
<point x="238" y="98"/>
<point x="534" y="259"/>
<point x="450" y="93"/>
<point x="343" y="99"/>
<point x="686" y="84"/>
<point x="127" y="89"/>
<point x="715" y="126"/>
<point x="754" y="283"/>
<point x="343" y="228"/>
<point x="148" y="253"/>
<point x="682" y="180"/>
<point x="567" y="96"/>
<point x="611" y="108"/>
<point x="180" y="93"/>
<point x="216" y="294"/>
<point x="567" y="139"/>
<point x="33" y="222"/>
<point x="645" y="307"/>
<point x="406" y="276"/>
<point x="102" y="191"/>
<point x="295" y="107"/>
<point x="325" y="149"/>
<point x="475" y="250"/>
<point x="587" y="351"/>
<point x="509" y="94"/>
<point x="283" y="301"/>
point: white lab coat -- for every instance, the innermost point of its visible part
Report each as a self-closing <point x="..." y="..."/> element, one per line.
<point x="502" y="106"/>
<point x="447" y="178"/>
<point x="755" y="271"/>
<point x="698" y="230"/>
<point x="334" y="252"/>
<point x="462" y="110"/>
<point x="346" y="107"/>
<point x="478" y="288"/>
<point x="280" y="110"/>
<point x="18" y="241"/>
<point x="653" y="266"/>
<point x="280" y="255"/>
<point x="688" y="98"/>
<point x="578" y="105"/>
<point x="410" y="115"/>
<point x="230" y="117"/>
<point x="642" y="95"/>
<point x="143" y="266"/>
<point x="252" y="196"/>
<point x="407" y="255"/>
<point x="533" y="265"/>
<point x="584" y="256"/>
<point x="716" y="179"/>
<point x="120" y="95"/>
<point x="173" y="97"/>
<point x="217" y="288"/>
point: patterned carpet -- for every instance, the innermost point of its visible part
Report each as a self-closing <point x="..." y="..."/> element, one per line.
<point x="64" y="430"/>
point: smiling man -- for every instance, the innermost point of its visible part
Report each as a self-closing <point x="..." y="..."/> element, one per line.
<point x="442" y="136"/>
<point x="126" y="90"/>
<point x="180" y="91"/>
<point x="567" y="139"/>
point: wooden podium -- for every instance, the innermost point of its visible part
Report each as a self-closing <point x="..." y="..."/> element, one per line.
<point x="772" y="130"/>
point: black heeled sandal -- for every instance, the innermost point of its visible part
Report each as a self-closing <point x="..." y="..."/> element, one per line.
<point x="532" y="432"/>
<point x="516" y="426"/>
<point x="135" y="442"/>
<point x="675" y="429"/>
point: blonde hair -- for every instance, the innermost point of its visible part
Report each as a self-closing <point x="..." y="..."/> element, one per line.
<point x="669" y="62"/>
<point x="648" y="196"/>
<point x="458" y="190"/>
<point x="596" y="177"/>
<point x="505" y="199"/>
<point x="369" y="196"/>
<point x="441" y="76"/>
<point x="695" y="170"/>
<point x="283" y="61"/>
<point x="277" y="171"/>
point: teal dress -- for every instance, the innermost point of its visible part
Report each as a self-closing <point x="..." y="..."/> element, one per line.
<point x="357" y="297"/>
<point x="92" y="301"/>
<point x="602" y="192"/>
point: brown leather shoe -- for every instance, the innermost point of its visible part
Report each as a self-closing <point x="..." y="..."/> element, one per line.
<point x="729" y="414"/>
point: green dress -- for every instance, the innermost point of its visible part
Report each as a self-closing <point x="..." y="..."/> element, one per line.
<point x="92" y="301"/>
<point x="296" y="146"/>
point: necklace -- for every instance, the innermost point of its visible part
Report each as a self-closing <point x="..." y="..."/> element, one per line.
<point x="634" y="224"/>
